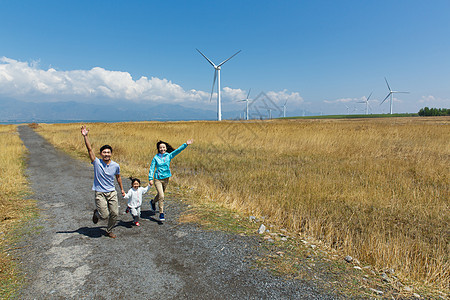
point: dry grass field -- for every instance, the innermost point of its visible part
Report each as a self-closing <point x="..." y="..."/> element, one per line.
<point x="13" y="208"/>
<point x="376" y="189"/>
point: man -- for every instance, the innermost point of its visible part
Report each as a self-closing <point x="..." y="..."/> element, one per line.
<point x="106" y="202"/>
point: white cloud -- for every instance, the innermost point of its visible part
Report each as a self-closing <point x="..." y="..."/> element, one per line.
<point x="233" y="94"/>
<point x="345" y="100"/>
<point x="281" y="97"/>
<point x="27" y="81"/>
<point x="436" y="102"/>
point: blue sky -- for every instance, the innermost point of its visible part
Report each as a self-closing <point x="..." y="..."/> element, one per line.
<point x="320" y="56"/>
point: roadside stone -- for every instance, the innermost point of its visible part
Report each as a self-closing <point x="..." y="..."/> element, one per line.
<point x="357" y="268"/>
<point x="284" y="239"/>
<point x="262" y="229"/>
<point x="252" y="218"/>
<point x="417" y="295"/>
<point x="348" y="258"/>
<point x="180" y="234"/>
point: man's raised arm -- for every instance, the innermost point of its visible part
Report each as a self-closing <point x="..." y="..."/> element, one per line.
<point x="84" y="132"/>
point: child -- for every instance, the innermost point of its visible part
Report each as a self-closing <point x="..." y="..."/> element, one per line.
<point x="134" y="197"/>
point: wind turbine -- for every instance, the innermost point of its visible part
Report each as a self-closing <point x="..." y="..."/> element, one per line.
<point x="246" y="104"/>
<point x="366" y="101"/>
<point x="390" y="95"/>
<point x="217" y="75"/>
<point x="284" y="109"/>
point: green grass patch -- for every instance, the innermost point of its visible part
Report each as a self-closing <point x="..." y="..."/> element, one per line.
<point x="356" y="116"/>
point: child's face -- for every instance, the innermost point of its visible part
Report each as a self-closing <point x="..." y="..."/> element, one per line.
<point x="162" y="148"/>
<point x="136" y="185"/>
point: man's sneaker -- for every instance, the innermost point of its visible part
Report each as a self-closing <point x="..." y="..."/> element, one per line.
<point x="95" y="217"/>
<point x="153" y="205"/>
<point x="128" y="210"/>
<point x="111" y="235"/>
<point x="137" y="224"/>
<point x="161" y="217"/>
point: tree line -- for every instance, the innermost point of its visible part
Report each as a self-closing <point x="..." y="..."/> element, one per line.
<point x="426" y="111"/>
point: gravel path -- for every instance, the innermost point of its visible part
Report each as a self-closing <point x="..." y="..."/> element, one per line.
<point x="67" y="256"/>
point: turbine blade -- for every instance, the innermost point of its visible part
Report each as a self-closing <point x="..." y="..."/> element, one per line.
<point x="386" y="98"/>
<point x="387" y="84"/>
<point x="212" y="64"/>
<point x="369" y="97"/>
<point x="214" y="82"/>
<point x="229" y="58"/>
<point x="248" y="95"/>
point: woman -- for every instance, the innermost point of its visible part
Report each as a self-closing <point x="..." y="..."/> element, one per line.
<point x="159" y="173"/>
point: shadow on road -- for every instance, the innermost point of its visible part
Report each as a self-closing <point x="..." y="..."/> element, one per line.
<point x="151" y="216"/>
<point x="92" y="232"/>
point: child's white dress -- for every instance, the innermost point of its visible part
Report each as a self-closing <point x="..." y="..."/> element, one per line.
<point x="134" y="197"/>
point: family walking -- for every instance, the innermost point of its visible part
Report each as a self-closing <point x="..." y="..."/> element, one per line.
<point x="105" y="170"/>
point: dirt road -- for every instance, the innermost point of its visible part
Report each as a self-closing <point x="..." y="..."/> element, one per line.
<point x="67" y="256"/>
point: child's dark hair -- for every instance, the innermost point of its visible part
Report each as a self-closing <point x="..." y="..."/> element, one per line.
<point x="168" y="146"/>
<point x="134" y="179"/>
<point x="105" y="147"/>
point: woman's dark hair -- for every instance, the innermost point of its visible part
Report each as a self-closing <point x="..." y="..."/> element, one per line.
<point x="105" y="147"/>
<point x="168" y="146"/>
<point x="134" y="179"/>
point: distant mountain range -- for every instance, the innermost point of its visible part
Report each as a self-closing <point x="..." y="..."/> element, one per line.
<point x="16" y="111"/>
<point x="12" y="110"/>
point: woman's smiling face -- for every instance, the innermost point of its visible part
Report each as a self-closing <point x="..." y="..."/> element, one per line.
<point x="162" y="148"/>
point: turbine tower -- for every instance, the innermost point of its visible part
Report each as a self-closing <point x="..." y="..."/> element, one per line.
<point x="391" y="92"/>
<point x="284" y="109"/>
<point x="217" y="75"/>
<point x="246" y="104"/>
<point x="366" y="101"/>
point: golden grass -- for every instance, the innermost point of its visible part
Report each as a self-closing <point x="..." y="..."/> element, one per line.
<point x="375" y="188"/>
<point x="13" y="185"/>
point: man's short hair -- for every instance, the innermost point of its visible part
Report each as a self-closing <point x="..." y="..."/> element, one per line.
<point x="105" y="147"/>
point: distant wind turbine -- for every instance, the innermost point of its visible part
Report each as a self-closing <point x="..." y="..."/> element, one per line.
<point x="391" y="92"/>
<point x="284" y="109"/>
<point x="217" y="75"/>
<point x="246" y="104"/>
<point x="366" y="101"/>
